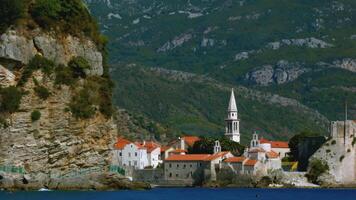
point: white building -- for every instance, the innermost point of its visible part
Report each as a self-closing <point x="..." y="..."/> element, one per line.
<point x="280" y="147"/>
<point x="130" y="155"/>
<point x="257" y="160"/>
<point x="232" y="129"/>
<point x="153" y="153"/>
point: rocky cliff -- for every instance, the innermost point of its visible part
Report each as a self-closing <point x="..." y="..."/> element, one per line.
<point x="57" y="143"/>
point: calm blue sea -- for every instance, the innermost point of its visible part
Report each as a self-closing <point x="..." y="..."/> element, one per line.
<point x="191" y="194"/>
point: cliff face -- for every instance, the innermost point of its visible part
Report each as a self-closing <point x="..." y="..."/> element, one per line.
<point x="58" y="143"/>
<point x="21" y="47"/>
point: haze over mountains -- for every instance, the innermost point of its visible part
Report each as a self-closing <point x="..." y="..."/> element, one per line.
<point x="293" y="63"/>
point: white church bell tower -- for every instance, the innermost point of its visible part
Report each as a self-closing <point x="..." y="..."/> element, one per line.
<point x="232" y="129"/>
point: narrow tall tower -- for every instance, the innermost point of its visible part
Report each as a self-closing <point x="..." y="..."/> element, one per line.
<point x="232" y="129"/>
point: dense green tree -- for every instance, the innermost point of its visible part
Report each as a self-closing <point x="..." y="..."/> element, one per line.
<point x="206" y="146"/>
<point x="296" y="139"/>
<point x="10" y="10"/>
<point x="46" y="11"/>
<point x="10" y="99"/>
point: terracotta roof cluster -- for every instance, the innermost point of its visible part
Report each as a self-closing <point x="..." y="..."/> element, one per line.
<point x="256" y="150"/>
<point x="235" y="159"/>
<point x="150" y="146"/>
<point x="196" y="157"/>
<point x="272" y="154"/>
<point x="250" y="162"/>
<point x="275" y="144"/>
<point x="190" y="140"/>
<point x="243" y="160"/>
<point x="122" y="142"/>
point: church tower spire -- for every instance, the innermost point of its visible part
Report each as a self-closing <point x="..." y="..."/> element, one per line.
<point x="232" y="129"/>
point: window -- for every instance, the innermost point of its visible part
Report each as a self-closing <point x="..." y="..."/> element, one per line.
<point x="177" y="165"/>
<point x="129" y="154"/>
<point x="135" y="163"/>
<point x="129" y="163"/>
<point x="177" y="175"/>
<point x="191" y="165"/>
<point x="170" y="165"/>
<point x="135" y="154"/>
<point x="188" y="175"/>
<point x="120" y="154"/>
<point x="184" y="166"/>
<point x="170" y="174"/>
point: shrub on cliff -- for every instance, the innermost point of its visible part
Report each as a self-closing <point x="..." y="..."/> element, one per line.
<point x="81" y="105"/>
<point x="316" y="169"/>
<point x="10" y="99"/>
<point x="78" y="65"/>
<point x="36" y="63"/>
<point x="64" y="75"/>
<point x="10" y="11"/>
<point x="65" y="16"/>
<point x="46" y="12"/>
<point x="35" y="115"/>
<point x="42" y="92"/>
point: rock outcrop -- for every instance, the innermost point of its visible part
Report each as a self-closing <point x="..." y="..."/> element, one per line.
<point x="281" y="73"/>
<point x="303" y="42"/>
<point x="19" y="48"/>
<point x="347" y="63"/>
<point x="7" y="78"/>
<point x="56" y="144"/>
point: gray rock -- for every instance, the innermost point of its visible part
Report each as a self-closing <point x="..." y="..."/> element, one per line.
<point x="16" y="47"/>
<point x="347" y="64"/>
<point x="305" y="42"/>
<point x="7" y="78"/>
<point x="280" y="73"/>
<point x="242" y="56"/>
<point x="176" y="42"/>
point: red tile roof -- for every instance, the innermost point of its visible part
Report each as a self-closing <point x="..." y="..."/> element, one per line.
<point x="190" y="140"/>
<point x="250" y="162"/>
<point x="179" y="151"/>
<point x="235" y="159"/>
<point x="217" y="155"/>
<point x="188" y="157"/>
<point x="256" y="150"/>
<point x="196" y="157"/>
<point x="165" y="148"/>
<point x="150" y="146"/>
<point x="121" y="143"/>
<point x="275" y="144"/>
<point x="272" y="154"/>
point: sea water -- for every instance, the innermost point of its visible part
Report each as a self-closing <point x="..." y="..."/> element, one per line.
<point x="189" y="194"/>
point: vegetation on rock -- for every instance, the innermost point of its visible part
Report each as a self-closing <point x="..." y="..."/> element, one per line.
<point x="206" y="146"/>
<point x="78" y="65"/>
<point x="10" y="99"/>
<point x="316" y="169"/>
<point x="36" y="63"/>
<point x="42" y="92"/>
<point x="35" y="115"/>
<point x="10" y="11"/>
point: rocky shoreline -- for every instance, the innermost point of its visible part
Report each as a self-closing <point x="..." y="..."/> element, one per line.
<point x="96" y="182"/>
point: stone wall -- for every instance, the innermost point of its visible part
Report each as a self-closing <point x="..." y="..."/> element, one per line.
<point x="340" y="153"/>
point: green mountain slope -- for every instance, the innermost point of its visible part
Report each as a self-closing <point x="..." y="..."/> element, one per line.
<point x="303" y="50"/>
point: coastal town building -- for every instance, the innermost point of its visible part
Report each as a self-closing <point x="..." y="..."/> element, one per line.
<point x="232" y="128"/>
<point x="280" y="147"/>
<point x="185" y="142"/>
<point x="256" y="160"/>
<point x="135" y="155"/>
<point x="191" y="168"/>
